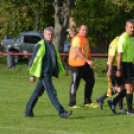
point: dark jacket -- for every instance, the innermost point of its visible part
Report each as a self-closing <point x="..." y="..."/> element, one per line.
<point x="47" y="66"/>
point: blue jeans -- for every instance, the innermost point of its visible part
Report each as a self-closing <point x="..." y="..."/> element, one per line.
<point x="44" y="83"/>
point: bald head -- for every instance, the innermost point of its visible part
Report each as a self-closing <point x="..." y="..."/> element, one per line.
<point x="83" y="30"/>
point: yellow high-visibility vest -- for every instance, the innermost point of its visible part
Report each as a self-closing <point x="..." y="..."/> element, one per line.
<point x="36" y="67"/>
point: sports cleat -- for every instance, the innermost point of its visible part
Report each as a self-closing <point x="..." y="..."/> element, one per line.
<point x="123" y="110"/>
<point x="130" y="112"/>
<point x="99" y="101"/>
<point x="66" y="114"/>
<point x="111" y="105"/>
<point x="74" y="106"/>
<point x="91" y="105"/>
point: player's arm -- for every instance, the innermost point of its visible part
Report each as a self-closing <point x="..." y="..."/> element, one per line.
<point x="121" y="49"/>
<point x="110" y="66"/>
<point x="118" y="72"/>
<point x="79" y="53"/>
<point x="111" y="54"/>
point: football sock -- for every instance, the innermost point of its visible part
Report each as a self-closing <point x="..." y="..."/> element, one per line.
<point x="104" y="96"/>
<point x="119" y="96"/>
<point x="129" y="98"/>
<point x="120" y="103"/>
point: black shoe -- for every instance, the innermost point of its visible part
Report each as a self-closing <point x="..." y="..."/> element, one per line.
<point x="130" y="112"/>
<point x="29" y="115"/>
<point x="111" y="105"/>
<point x="123" y="110"/>
<point x="99" y="101"/>
<point x="66" y="114"/>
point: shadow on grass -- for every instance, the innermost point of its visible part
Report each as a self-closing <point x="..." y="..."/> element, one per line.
<point x="70" y="117"/>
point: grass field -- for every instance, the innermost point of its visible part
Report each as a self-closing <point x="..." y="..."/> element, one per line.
<point x="15" y="90"/>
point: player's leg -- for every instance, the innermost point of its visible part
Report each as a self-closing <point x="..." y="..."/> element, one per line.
<point x="52" y="94"/>
<point x="90" y="80"/>
<point x="100" y="100"/>
<point x="127" y="75"/>
<point x="129" y="98"/>
<point x="39" y="90"/>
<point x="76" y="77"/>
<point x="112" y="103"/>
<point x="128" y="78"/>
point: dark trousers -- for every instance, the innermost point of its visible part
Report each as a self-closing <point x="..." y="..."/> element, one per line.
<point x="87" y="74"/>
<point x="44" y="83"/>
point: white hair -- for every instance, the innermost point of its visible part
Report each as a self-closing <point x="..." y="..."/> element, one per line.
<point x="129" y="21"/>
<point x="49" y="28"/>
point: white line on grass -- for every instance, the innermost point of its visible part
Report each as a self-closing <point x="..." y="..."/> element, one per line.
<point x="43" y="130"/>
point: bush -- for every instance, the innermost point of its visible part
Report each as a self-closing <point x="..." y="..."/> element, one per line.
<point x="100" y="67"/>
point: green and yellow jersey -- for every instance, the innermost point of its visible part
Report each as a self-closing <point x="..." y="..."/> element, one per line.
<point x="126" y="47"/>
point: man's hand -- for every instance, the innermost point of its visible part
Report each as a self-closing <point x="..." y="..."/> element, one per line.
<point x="118" y="73"/>
<point x="79" y="53"/>
<point x="91" y="63"/>
<point x="32" y="79"/>
<point x="109" y="73"/>
<point x="57" y="79"/>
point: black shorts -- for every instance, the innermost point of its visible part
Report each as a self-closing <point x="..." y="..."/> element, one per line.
<point x="133" y="70"/>
<point x="116" y="81"/>
<point x="127" y="72"/>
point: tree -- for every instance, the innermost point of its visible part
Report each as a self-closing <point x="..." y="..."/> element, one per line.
<point x="105" y="18"/>
<point x="62" y="13"/>
<point x="25" y="15"/>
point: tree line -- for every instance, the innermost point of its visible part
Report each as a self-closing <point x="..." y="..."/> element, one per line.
<point x="105" y="18"/>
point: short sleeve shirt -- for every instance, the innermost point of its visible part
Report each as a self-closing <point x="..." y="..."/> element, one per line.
<point x="112" y="50"/>
<point x="77" y="43"/>
<point x="126" y="47"/>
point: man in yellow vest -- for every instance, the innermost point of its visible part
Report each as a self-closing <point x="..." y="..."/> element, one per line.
<point x="80" y="62"/>
<point x="44" y="64"/>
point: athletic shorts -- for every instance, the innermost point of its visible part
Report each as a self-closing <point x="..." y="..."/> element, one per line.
<point x="133" y="70"/>
<point x="116" y="81"/>
<point x="127" y="72"/>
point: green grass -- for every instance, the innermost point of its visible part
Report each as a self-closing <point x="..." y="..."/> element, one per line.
<point x="15" y="90"/>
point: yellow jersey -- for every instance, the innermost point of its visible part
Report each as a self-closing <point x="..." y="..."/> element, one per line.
<point x="112" y="50"/>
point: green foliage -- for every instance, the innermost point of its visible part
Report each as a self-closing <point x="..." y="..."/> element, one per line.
<point x="100" y="67"/>
<point x="105" y="18"/>
<point x="25" y="15"/>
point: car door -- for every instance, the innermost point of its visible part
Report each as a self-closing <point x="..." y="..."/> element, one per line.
<point x="28" y="43"/>
<point x="26" y="40"/>
<point x="35" y="39"/>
